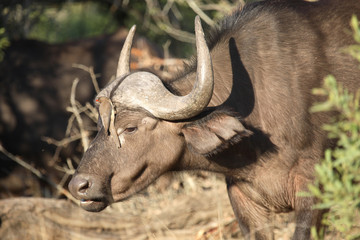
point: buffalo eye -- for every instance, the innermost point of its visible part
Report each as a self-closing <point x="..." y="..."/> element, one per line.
<point x="130" y="130"/>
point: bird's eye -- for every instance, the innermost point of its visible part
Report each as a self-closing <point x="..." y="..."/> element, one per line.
<point x="130" y="130"/>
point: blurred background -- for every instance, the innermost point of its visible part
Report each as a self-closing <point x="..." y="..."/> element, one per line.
<point x="58" y="21"/>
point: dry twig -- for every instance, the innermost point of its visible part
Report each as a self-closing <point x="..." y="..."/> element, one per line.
<point x="90" y="70"/>
<point x="62" y="142"/>
<point x="162" y="21"/>
<point x="38" y="174"/>
<point x="194" y="6"/>
<point x="84" y="138"/>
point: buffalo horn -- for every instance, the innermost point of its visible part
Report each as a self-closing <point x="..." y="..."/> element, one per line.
<point x="124" y="59"/>
<point x="143" y="89"/>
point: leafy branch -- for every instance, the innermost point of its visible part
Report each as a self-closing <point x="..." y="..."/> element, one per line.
<point x="337" y="184"/>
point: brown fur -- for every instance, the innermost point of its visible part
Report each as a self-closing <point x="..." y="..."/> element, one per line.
<point x="266" y="59"/>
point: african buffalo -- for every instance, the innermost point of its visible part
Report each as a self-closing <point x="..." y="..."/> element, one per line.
<point x="241" y="110"/>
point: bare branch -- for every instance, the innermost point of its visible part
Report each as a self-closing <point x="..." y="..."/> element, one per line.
<point x="69" y="125"/>
<point x="93" y="114"/>
<point x="176" y="33"/>
<point x="63" y="142"/>
<point x="70" y="165"/>
<point x="90" y="70"/>
<point x="163" y="22"/>
<point x="192" y="4"/>
<point x="38" y="174"/>
<point x="84" y="138"/>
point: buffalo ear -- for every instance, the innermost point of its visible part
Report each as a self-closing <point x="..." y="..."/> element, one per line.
<point x="214" y="133"/>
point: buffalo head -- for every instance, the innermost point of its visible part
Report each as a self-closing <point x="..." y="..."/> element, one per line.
<point x="144" y="130"/>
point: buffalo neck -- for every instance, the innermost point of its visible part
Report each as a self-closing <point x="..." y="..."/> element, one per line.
<point x="238" y="161"/>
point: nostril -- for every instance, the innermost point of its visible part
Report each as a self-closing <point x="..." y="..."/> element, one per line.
<point x="83" y="186"/>
<point x="79" y="185"/>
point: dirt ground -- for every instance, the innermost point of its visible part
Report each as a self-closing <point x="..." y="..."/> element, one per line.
<point x="191" y="207"/>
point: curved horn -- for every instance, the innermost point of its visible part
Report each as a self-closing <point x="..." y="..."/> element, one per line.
<point x="143" y="89"/>
<point x="123" y="67"/>
<point x="124" y="59"/>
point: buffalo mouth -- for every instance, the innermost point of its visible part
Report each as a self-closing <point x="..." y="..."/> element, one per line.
<point x="93" y="205"/>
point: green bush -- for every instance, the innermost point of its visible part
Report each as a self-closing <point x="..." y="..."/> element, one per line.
<point x="73" y="21"/>
<point x="337" y="184"/>
<point x="4" y="43"/>
<point x="168" y="23"/>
